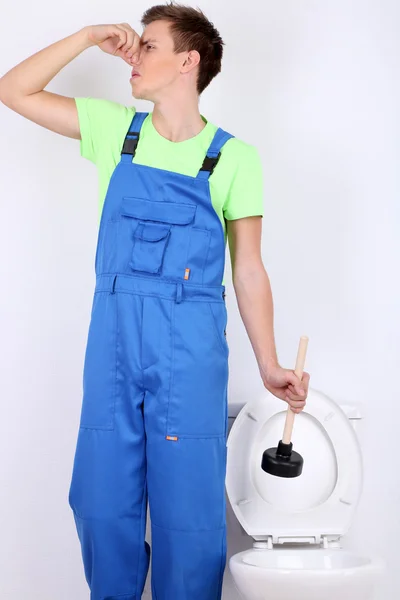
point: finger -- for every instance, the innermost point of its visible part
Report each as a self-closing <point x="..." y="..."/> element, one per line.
<point x="301" y="384"/>
<point x="130" y="35"/>
<point x="305" y="380"/>
<point x="294" y="390"/>
<point x="295" y="382"/>
<point x="296" y="406"/>
<point x="300" y="389"/>
<point x="294" y="396"/>
<point x="114" y="31"/>
<point x="121" y="32"/>
<point x="296" y="403"/>
<point x="132" y="45"/>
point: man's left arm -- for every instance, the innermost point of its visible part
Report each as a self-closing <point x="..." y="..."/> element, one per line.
<point x="254" y="296"/>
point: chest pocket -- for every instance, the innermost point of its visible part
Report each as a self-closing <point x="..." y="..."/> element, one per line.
<point x="154" y="228"/>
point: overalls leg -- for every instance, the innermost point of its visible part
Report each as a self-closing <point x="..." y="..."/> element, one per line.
<point x="186" y="422"/>
<point x="108" y="492"/>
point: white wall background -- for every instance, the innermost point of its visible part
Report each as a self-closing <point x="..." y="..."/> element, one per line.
<point x="315" y="86"/>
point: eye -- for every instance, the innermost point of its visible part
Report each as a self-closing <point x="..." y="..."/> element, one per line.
<point x="148" y="46"/>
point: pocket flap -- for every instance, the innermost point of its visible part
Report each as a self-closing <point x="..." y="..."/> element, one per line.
<point x="167" y="212"/>
<point x="151" y="232"/>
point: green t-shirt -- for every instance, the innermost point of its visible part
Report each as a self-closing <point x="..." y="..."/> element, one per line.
<point x="236" y="185"/>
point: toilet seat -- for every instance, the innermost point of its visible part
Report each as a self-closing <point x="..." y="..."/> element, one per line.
<point x="320" y="503"/>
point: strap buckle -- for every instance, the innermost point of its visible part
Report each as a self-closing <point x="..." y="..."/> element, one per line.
<point x="130" y="145"/>
<point x="210" y="163"/>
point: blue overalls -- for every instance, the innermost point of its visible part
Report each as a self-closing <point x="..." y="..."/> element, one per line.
<point x="154" y="411"/>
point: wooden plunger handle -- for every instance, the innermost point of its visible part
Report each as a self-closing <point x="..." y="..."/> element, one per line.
<point x="301" y="358"/>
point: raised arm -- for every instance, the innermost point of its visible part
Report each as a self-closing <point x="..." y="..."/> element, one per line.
<point x="22" y="88"/>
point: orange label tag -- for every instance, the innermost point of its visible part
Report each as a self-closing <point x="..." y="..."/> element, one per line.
<point x="187" y="271"/>
<point x="174" y="438"/>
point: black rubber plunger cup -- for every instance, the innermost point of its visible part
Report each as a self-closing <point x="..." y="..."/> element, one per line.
<point x="283" y="461"/>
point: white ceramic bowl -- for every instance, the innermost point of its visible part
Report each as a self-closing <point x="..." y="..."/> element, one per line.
<point x="306" y="574"/>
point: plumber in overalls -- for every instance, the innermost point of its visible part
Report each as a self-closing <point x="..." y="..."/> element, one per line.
<point x="153" y="425"/>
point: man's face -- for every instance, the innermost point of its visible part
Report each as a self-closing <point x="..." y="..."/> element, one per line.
<point x="158" y="66"/>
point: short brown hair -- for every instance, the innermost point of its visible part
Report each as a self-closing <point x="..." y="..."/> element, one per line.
<point x="191" y="30"/>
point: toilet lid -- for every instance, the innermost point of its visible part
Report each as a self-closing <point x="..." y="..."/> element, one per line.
<point x="323" y="499"/>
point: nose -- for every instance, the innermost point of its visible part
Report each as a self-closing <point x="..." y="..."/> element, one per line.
<point x="130" y="60"/>
<point x="135" y="58"/>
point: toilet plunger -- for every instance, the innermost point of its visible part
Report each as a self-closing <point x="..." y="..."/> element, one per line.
<point x="283" y="461"/>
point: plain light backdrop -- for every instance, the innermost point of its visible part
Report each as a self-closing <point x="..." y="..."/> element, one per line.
<point x="315" y="86"/>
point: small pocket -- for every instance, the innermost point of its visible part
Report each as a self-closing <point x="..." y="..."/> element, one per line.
<point x="151" y="229"/>
<point x="150" y="243"/>
<point x="99" y="372"/>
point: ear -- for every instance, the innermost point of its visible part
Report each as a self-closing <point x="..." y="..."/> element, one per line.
<point x="192" y="59"/>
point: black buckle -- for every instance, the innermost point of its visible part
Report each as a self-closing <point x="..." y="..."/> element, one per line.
<point x="210" y="163"/>
<point x="130" y="145"/>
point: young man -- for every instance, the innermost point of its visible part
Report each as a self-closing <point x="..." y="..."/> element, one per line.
<point x="173" y="188"/>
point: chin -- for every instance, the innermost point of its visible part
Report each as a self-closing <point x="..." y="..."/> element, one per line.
<point x="140" y="95"/>
<point x="136" y="92"/>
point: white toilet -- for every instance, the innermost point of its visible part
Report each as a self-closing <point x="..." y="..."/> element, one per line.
<point x="297" y="523"/>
